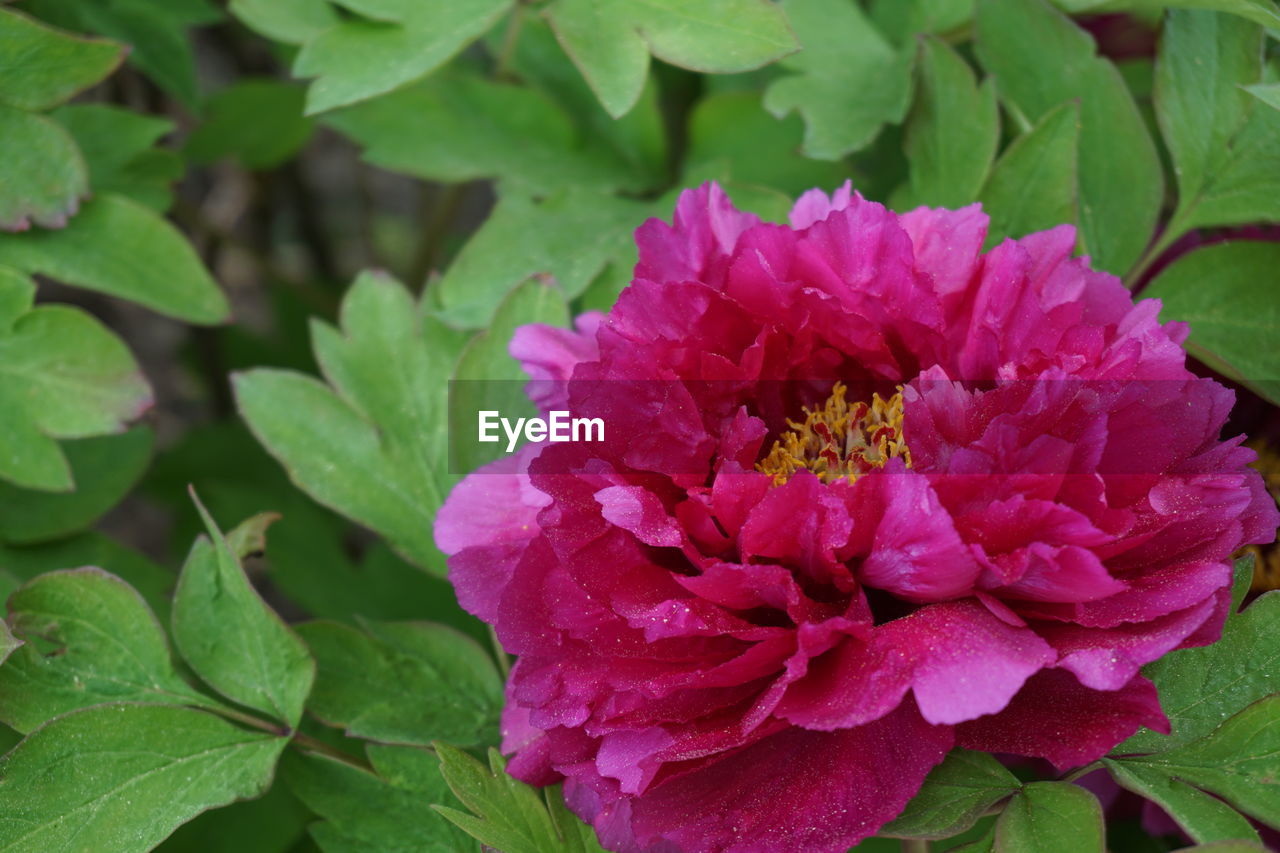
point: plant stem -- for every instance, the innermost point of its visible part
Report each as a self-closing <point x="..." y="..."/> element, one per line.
<point x="507" y="52"/>
<point x="307" y="743"/>
<point x="504" y="663"/>
<point x="298" y="740"/>
<point x="1174" y="230"/>
<point x="1082" y="771"/>
<point x="435" y="229"/>
<point x="915" y="845"/>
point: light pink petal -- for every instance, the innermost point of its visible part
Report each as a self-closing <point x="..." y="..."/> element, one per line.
<point x="485" y="525"/>
<point x="549" y="355"/>
<point x="815" y="205"/>
<point x="969" y="662"/>
<point x="641" y="512"/>
<point x="947" y="244"/>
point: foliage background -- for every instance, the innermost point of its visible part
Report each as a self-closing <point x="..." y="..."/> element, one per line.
<point x="186" y="190"/>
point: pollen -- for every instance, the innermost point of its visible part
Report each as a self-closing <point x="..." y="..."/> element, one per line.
<point x="840" y="440"/>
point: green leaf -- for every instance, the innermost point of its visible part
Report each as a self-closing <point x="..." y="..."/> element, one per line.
<point x="308" y="556"/>
<point x="41" y="67"/>
<point x="62" y="375"/>
<point x="404" y="682"/>
<point x="231" y="638"/>
<point x="457" y="127"/>
<point x="901" y="19"/>
<point x="118" y="247"/>
<point x="1239" y="761"/>
<point x="1201" y="687"/>
<point x="152" y="582"/>
<point x="1226" y="291"/>
<point x="118" y="146"/>
<point x="1033" y="186"/>
<point x="488" y="378"/>
<point x="508" y="815"/>
<point x="90" y="640"/>
<point x="358" y="59"/>
<point x="638" y="139"/>
<point x="1243" y="572"/>
<point x="955" y="794"/>
<point x="1259" y="11"/>
<point x="1224" y="847"/>
<point x="1049" y="817"/>
<point x="42" y="175"/>
<point x="952" y="134"/>
<point x="387" y="810"/>
<point x="610" y="40"/>
<point x="156" y="32"/>
<point x="1225" y="144"/>
<point x="274" y="823"/>
<point x="986" y="843"/>
<point x="17" y="295"/>
<point x="1268" y="93"/>
<point x="375" y="450"/>
<point x="259" y="122"/>
<point x="8" y="644"/>
<point x="1244" y="186"/>
<point x="290" y="21"/>
<point x="1041" y="60"/>
<point x="846" y="83"/>
<point x="570" y="237"/>
<point x="1204" y="59"/>
<point x="1201" y="816"/>
<point x="122" y="777"/>
<point x="759" y="149"/>
<point x="104" y="470"/>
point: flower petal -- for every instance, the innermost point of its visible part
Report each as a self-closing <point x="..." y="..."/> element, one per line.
<point x="1056" y="717"/>
<point x="796" y="790"/>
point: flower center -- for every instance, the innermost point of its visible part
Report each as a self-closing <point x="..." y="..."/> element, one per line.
<point x="840" y="440"/>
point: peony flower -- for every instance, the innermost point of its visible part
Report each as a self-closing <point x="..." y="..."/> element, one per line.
<point x="866" y="494"/>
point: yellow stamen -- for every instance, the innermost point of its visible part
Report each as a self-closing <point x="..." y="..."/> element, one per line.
<point x="840" y="440"/>
<point x="1266" y="566"/>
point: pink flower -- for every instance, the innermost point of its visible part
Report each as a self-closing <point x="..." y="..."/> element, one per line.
<point x="756" y="615"/>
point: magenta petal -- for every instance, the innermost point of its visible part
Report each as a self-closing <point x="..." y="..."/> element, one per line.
<point x="813" y="791"/>
<point x="915" y="551"/>
<point x="1056" y="717"/>
<point x="851" y="685"/>
<point x="703" y="233"/>
<point x="713" y="661"/>
<point x="1105" y="659"/>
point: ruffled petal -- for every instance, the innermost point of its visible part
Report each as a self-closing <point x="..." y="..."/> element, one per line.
<point x="485" y="525"/>
<point x="907" y="540"/>
<point x="549" y="355"/>
<point x="698" y="242"/>
<point x="850" y="783"/>
<point x="1056" y="717"/>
